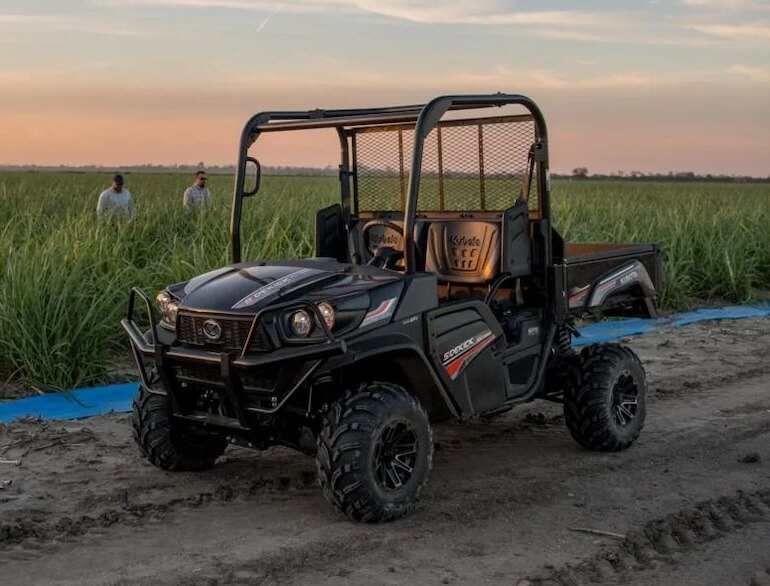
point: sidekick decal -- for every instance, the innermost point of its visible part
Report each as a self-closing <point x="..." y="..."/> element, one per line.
<point x="457" y="358"/>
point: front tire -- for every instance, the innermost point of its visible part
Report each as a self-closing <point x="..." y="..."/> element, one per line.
<point x="168" y="446"/>
<point x="605" y="402"/>
<point x="375" y="452"/>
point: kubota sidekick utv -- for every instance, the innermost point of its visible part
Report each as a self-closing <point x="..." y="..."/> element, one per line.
<point x="439" y="289"/>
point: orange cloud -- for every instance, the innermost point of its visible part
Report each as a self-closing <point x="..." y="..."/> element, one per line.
<point x="630" y="122"/>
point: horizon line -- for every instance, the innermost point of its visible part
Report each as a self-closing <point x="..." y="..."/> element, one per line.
<point x="332" y="170"/>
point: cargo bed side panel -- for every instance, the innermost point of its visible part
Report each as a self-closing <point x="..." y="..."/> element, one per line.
<point x="595" y="275"/>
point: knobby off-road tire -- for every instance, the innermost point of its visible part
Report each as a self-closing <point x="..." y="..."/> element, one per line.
<point x="605" y="403"/>
<point x="167" y="446"/>
<point x="375" y="452"/>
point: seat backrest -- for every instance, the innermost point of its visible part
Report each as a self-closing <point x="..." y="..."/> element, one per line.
<point x="464" y="251"/>
<point x="330" y="234"/>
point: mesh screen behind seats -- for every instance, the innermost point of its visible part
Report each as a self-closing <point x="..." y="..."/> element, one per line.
<point x="464" y="251"/>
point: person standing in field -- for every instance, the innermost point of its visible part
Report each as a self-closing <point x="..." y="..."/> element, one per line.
<point x="198" y="193"/>
<point x="115" y="199"/>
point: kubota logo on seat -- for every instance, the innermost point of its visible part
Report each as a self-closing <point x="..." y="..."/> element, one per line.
<point x="461" y="240"/>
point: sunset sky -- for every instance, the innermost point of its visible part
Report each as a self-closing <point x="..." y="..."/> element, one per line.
<point x="652" y="85"/>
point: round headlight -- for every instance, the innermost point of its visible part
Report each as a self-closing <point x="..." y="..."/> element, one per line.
<point x="162" y="300"/>
<point x="328" y="313"/>
<point x="301" y="324"/>
<point x="173" y="309"/>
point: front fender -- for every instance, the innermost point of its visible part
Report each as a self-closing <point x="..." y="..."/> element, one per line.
<point x="391" y="349"/>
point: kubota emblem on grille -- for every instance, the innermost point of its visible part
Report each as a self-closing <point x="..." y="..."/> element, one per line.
<point x="212" y="330"/>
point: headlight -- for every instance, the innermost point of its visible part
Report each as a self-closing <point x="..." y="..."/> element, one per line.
<point x="328" y="313"/>
<point x="162" y="301"/>
<point x="301" y="323"/>
<point x="168" y="308"/>
<point x="173" y="309"/>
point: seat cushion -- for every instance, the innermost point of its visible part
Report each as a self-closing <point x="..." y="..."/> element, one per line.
<point x="464" y="251"/>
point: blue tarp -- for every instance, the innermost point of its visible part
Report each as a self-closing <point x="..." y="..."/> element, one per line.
<point x="613" y="330"/>
<point x="72" y="404"/>
<point x="117" y="398"/>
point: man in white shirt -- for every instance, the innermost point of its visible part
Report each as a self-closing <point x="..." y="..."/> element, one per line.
<point x="197" y="194"/>
<point x="115" y="199"/>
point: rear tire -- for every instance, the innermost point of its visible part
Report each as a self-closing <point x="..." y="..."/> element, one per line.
<point x="605" y="402"/>
<point x="168" y="446"/>
<point x="374" y="452"/>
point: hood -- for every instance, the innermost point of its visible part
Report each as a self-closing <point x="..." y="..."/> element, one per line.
<point x="247" y="288"/>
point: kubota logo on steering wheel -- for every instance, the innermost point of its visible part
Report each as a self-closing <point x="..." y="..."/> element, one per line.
<point x="384" y="239"/>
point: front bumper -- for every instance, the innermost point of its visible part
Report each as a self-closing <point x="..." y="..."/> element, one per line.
<point x="233" y="369"/>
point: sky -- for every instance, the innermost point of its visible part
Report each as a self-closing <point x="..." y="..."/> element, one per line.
<point x="647" y="85"/>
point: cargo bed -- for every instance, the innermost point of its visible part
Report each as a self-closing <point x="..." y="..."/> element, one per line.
<point x="616" y="278"/>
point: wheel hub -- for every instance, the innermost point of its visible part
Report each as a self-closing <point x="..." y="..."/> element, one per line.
<point x="625" y="398"/>
<point x="395" y="455"/>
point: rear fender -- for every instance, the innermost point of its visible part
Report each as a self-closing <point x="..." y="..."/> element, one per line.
<point x="629" y="276"/>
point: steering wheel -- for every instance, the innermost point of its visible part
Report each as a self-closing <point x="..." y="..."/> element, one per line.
<point x="383" y="256"/>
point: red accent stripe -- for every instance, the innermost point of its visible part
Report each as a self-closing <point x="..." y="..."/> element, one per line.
<point x="454" y="368"/>
<point x="579" y="294"/>
<point x="382" y="309"/>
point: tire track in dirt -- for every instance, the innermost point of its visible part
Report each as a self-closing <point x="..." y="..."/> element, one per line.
<point x="116" y="509"/>
<point x="515" y="480"/>
<point x="35" y="524"/>
<point x="760" y="578"/>
<point x="75" y="479"/>
<point x="665" y="540"/>
<point x="482" y="502"/>
<point x="475" y="496"/>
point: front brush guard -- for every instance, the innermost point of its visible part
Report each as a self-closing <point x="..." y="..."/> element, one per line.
<point x="230" y="365"/>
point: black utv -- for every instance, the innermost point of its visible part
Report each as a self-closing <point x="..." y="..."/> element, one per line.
<point x="439" y="290"/>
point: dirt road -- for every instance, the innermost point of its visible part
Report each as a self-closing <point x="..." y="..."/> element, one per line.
<point x="690" y="502"/>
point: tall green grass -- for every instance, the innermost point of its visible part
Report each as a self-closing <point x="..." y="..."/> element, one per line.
<point x="64" y="276"/>
<point x="715" y="237"/>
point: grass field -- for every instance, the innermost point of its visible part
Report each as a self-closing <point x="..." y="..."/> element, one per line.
<point x="64" y="277"/>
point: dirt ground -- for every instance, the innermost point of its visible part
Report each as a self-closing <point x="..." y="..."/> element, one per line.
<point x="689" y="504"/>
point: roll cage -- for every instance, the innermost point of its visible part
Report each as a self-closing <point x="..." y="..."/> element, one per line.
<point x="425" y="118"/>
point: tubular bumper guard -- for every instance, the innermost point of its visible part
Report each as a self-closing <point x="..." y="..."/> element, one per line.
<point x="230" y="364"/>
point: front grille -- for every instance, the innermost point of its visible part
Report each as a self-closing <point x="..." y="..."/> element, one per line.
<point x="196" y="373"/>
<point x="262" y="381"/>
<point x="189" y="330"/>
<point x="257" y="386"/>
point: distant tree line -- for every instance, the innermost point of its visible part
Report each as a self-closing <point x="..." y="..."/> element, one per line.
<point x="581" y="173"/>
<point x="180" y="168"/>
<point x="578" y="173"/>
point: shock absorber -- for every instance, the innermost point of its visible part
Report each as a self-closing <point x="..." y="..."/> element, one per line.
<point x="563" y="340"/>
